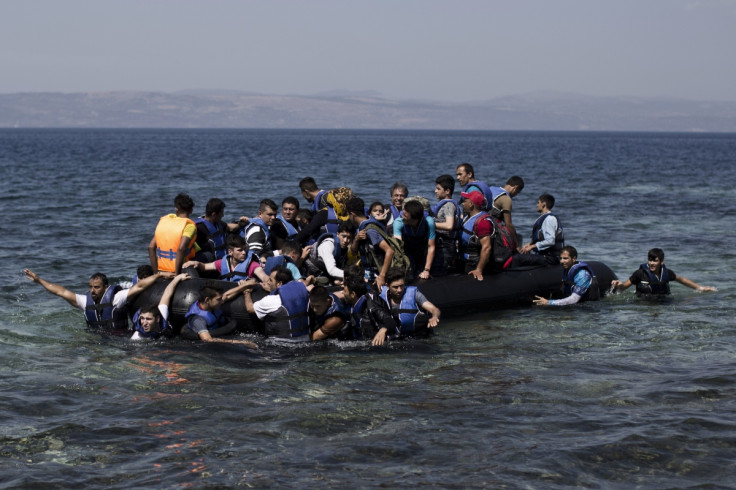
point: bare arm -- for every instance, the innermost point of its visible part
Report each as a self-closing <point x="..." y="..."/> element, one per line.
<point x="152" y="254"/>
<point x="687" y="282"/>
<point x="170" y="288"/>
<point x="329" y="328"/>
<point x="141" y="285"/>
<point x="206" y="337"/>
<point x="434" y="312"/>
<point x="389" y="254"/>
<point x="485" y="255"/>
<point x="430" y="258"/>
<point x="59" y="291"/>
<point x="242" y="286"/>
<point x="618" y="285"/>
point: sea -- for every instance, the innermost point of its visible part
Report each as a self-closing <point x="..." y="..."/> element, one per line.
<point x="620" y="393"/>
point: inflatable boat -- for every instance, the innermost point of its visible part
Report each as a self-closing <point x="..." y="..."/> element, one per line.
<point x="454" y="295"/>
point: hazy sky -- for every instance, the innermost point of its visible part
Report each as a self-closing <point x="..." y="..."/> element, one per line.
<point x="444" y="50"/>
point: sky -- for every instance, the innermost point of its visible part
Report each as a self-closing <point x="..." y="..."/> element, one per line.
<point x="459" y="50"/>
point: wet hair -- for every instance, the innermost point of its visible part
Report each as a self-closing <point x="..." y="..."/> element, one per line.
<point x="400" y="186"/>
<point x="468" y="168"/>
<point x="291" y="246"/>
<point x="290" y="200"/>
<point x="235" y="241"/>
<point x="267" y="204"/>
<point x="548" y="200"/>
<point x="415" y="209"/>
<point x="99" y="276"/>
<point x="346" y="227"/>
<point x="318" y="294"/>
<point x="356" y="284"/>
<point x="304" y="215"/>
<point x="153" y="309"/>
<point x="447" y="182"/>
<point x="308" y="184"/>
<point x="183" y="202"/>
<point x="570" y="250"/>
<point x="516" y="180"/>
<point x="283" y="274"/>
<point x="656" y="253"/>
<point x="394" y="274"/>
<point x="214" y="206"/>
<point x="207" y="292"/>
<point x="144" y="271"/>
<point x="356" y="206"/>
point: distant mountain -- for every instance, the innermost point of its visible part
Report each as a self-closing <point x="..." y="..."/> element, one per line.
<point x="361" y="110"/>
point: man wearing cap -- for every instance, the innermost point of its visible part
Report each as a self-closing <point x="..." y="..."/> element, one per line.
<point x="475" y="239"/>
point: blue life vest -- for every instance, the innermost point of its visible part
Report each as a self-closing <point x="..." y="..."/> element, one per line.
<point x="240" y="271"/>
<point x="495" y="193"/>
<point x="366" y="247"/>
<point x="257" y="222"/>
<point x="655" y="285"/>
<point x="538" y="235"/>
<point x="487" y="193"/>
<point x="292" y="319"/>
<point x="214" y="320"/>
<point x="409" y="317"/>
<point x="215" y="236"/>
<point x="164" y="328"/>
<point x="568" y="280"/>
<point x="453" y="234"/>
<point x="104" y="314"/>
<point x="337" y="308"/>
<point x="290" y="230"/>
<point x="333" y="222"/>
<point x="317" y="204"/>
<point x="469" y="240"/>
<point x="272" y="262"/>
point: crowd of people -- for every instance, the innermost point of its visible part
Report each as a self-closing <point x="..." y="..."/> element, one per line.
<point x="372" y="252"/>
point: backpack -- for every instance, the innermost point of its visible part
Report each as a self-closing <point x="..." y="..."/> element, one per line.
<point x="502" y="245"/>
<point x="400" y="259"/>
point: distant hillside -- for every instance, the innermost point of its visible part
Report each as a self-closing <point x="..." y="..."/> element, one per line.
<point x="360" y="110"/>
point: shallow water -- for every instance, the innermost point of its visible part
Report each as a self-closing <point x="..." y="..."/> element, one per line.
<point x="615" y="394"/>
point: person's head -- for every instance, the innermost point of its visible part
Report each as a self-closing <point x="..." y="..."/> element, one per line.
<point x="267" y="211"/>
<point x="568" y="257"/>
<point x="279" y="276"/>
<point x="210" y="298"/>
<point x="353" y="270"/>
<point x="303" y="217"/>
<point x="655" y="259"/>
<point x="412" y="213"/>
<point x="237" y="248"/>
<point x="183" y="204"/>
<point x="149" y="317"/>
<point x="545" y="202"/>
<point x="354" y="286"/>
<point x="215" y="210"/>
<point x="289" y="207"/>
<point x="465" y="173"/>
<point x="472" y="201"/>
<point x="396" y="283"/>
<point x="399" y="191"/>
<point x="319" y="300"/>
<point x="355" y="208"/>
<point x="376" y="209"/>
<point x="144" y="271"/>
<point x="444" y="186"/>
<point x="345" y="234"/>
<point x="514" y="185"/>
<point x="97" y="286"/>
<point x="291" y="249"/>
<point x="309" y="188"/>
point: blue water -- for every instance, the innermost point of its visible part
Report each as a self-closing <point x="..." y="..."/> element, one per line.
<point x="614" y="394"/>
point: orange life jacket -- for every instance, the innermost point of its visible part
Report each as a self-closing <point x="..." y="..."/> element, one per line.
<point x="168" y="237"/>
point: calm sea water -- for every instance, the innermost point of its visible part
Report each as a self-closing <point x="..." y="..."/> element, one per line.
<point x="614" y="394"/>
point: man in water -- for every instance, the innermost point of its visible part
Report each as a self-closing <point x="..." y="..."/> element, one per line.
<point x="174" y="241"/>
<point x="369" y="314"/>
<point x="104" y="306"/>
<point x="579" y="280"/>
<point x="653" y="278"/>
<point x="410" y="309"/>
<point x="206" y="321"/>
<point x="152" y="321"/>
